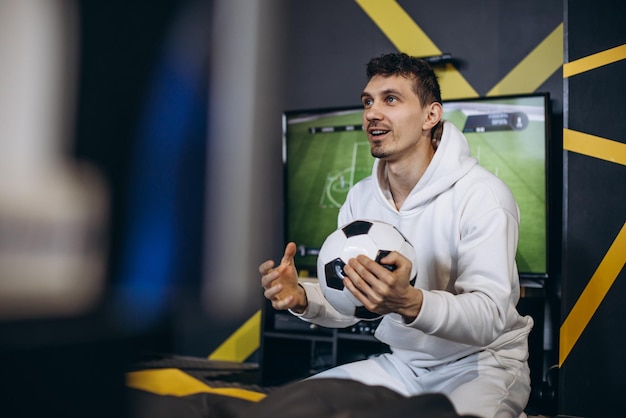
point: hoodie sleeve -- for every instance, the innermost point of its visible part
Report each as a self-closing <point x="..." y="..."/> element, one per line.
<point x="320" y="312"/>
<point x="481" y="300"/>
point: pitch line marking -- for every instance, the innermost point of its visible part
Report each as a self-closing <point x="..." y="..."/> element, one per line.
<point x="329" y="188"/>
<point x="354" y="152"/>
<point x="329" y="181"/>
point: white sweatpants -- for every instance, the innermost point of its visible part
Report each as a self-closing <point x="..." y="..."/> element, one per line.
<point x="482" y="384"/>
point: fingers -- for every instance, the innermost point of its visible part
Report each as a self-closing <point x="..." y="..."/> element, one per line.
<point x="359" y="277"/>
<point x="268" y="273"/>
<point x="282" y="304"/>
<point x="358" y="282"/>
<point x="271" y="291"/>
<point x="402" y="266"/>
<point x="280" y="283"/>
<point x="267" y="270"/>
<point x="290" y="252"/>
<point x="368" y="270"/>
<point x="266" y="267"/>
<point x="397" y="259"/>
<point x="374" y="280"/>
<point x="272" y="288"/>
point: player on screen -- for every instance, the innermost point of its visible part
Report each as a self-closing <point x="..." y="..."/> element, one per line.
<point x="456" y="331"/>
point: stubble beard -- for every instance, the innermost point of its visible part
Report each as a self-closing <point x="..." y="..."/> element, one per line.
<point x="378" y="151"/>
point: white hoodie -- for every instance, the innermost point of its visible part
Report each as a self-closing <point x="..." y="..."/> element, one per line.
<point x="463" y="222"/>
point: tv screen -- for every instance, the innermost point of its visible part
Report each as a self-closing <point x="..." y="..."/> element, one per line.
<point x="325" y="152"/>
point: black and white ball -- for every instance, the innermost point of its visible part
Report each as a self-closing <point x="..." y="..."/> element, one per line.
<point x="375" y="239"/>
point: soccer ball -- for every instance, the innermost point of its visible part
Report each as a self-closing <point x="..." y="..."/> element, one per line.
<point x="375" y="239"/>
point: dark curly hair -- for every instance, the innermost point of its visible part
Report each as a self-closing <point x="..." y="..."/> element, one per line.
<point x="426" y="85"/>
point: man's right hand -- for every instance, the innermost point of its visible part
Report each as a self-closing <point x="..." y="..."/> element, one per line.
<point x="280" y="284"/>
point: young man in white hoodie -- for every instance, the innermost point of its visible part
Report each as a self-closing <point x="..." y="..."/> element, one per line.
<point x="457" y="330"/>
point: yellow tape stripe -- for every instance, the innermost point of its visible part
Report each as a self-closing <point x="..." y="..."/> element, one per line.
<point x="408" y="37"/>
<point x="175" y="382"/>
<point x="594" y="61"/>
<point x="594" y="146"/>
<point x="615" y="258"/>
<point x="242" y="343"/>
<point x="453" y="84"/>
<point x="398" y="26"/>
<point x="536" y="68"/>
<point x="590" y="299"/>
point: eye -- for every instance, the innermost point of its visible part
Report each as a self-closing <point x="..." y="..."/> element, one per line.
<point x="366" y="101"/>
<point x="392" y="99"/>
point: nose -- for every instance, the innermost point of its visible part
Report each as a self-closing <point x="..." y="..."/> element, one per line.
<point x="372" y="113"/>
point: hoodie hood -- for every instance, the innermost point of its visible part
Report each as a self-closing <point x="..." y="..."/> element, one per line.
<point x="451" y="162"/>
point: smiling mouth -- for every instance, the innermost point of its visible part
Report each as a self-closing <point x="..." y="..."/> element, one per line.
<point x="375" y="133"/>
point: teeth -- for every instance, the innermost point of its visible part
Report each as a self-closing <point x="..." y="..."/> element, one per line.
<point x="378" y="132"/>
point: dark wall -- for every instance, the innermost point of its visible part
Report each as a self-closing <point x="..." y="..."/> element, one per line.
<point x="594" y="215"/>
<point x="331" y="41"/>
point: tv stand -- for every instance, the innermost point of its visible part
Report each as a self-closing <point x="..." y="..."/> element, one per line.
<point x="292" y="349"/>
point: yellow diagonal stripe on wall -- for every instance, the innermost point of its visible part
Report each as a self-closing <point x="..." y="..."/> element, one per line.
<point x="399" y="27"/>
<point x="242" y="343"/>
<point x="408" y="37"/>
<point x="594" y="146"/>
<point x="594" y="61"/>
<point x="590" y="299"/>
<point x="536" y="68"/>
<point x="614" y="260"/>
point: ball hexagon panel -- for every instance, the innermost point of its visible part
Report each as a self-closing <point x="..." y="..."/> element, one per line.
<point x="374" y="239"/>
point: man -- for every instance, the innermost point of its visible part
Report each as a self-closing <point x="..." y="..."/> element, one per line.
<point x="456" y="331"/>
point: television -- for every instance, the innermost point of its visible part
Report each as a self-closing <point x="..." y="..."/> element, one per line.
<point x="325" y="152"/>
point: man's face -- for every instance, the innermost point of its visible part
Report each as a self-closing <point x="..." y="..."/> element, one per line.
<point x="393" y="117"/>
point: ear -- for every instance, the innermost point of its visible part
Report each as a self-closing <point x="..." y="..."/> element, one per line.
<point x="434" y="113"/>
